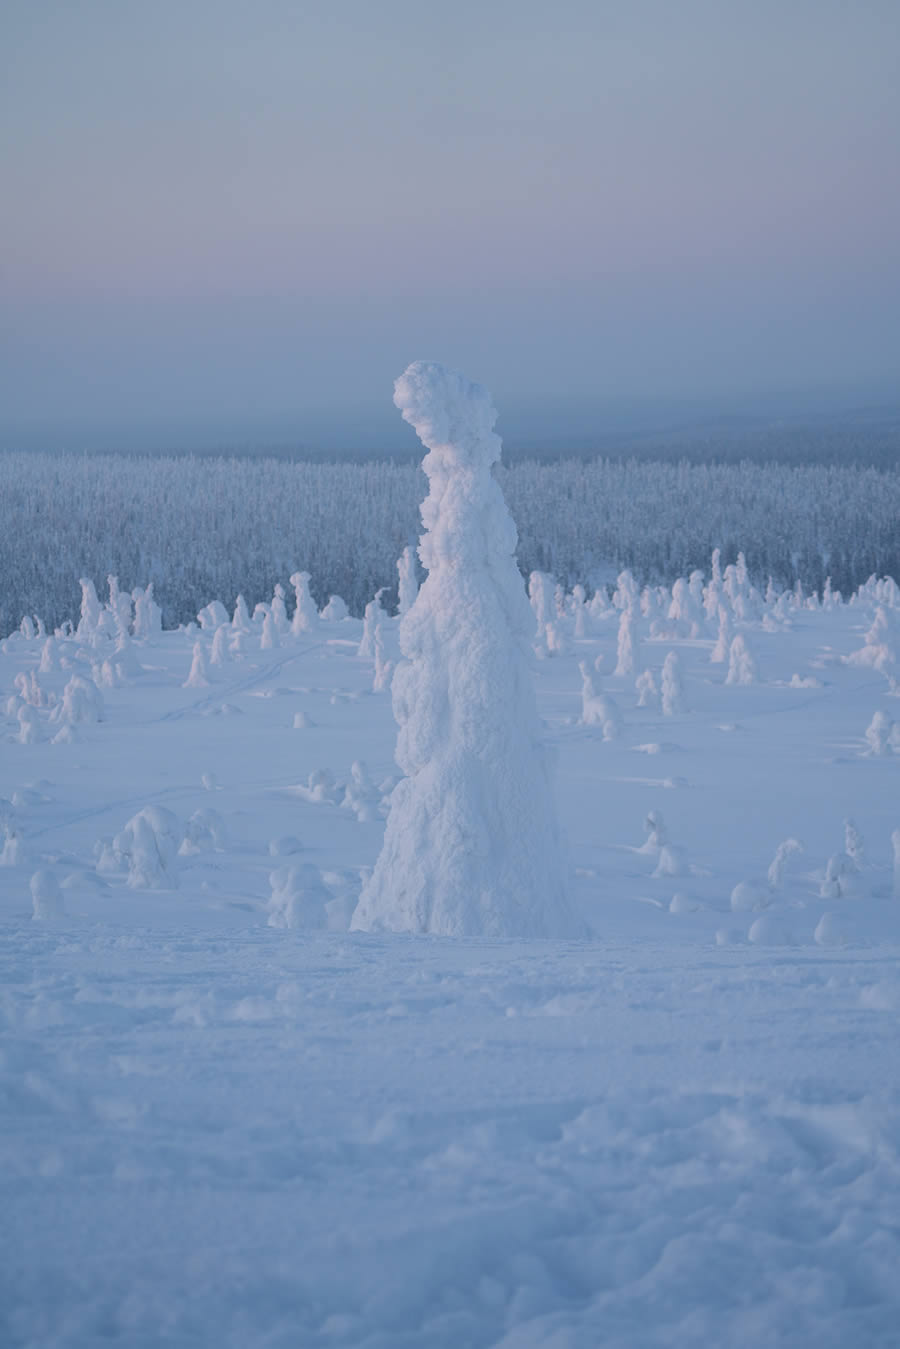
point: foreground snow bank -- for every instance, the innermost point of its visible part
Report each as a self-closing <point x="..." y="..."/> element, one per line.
<point x="258" y="1138"/>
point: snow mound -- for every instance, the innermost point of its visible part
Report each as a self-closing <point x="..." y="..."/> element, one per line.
<point x="298" y="898"/>
<point x="147" y="849"/>
<point x="46" y="897"/>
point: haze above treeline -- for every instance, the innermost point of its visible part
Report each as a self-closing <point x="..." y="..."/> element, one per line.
<point x="791" y="427"/>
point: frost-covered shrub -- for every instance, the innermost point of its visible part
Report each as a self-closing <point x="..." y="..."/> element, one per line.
<point x="879" y="734"/>
<point x="741" y="667"/>
<point x="597" y="708"/>
<point x="627" y="659"/>
<point x="221" y="643"/>
<point x="791" y="847"/>
<point x="880" y="647"/>
<point x="49" y="657"/>
<point x="335" y="610"/>
<point x="373" y="617"/>
<point x="278" y="609"/>
<point x="81" y="702"/>
<point x="13" y="853"/>
<point x="205" y="831"/>
<point x="298" y="898"/>
<point x="240" y="622"/>
<point x="384" y="668"/>
<point x="269" y="637"/>
<point x="672" y="690"/>
<point x="320" y="788"/>
<point x="749" y="895"/>
<point x="198" y="678"/>
<point x="361" y="794"/>
<point x="722" y="647"/>
<point x="147" y="614"/>
<point x="407" y="581"/>
<point x="147" y="848"/>
<point x="29" y="726"/>
<point x="212" y="616"/>
<point x="684" y="609"/>
<point x="306" y="614"/>
<point x="46" y="897"/>
<point x="655" y="829"/>
<point x="671" y="861"/>
<point x="647" y="692"/>
<point x="91" y="609"/>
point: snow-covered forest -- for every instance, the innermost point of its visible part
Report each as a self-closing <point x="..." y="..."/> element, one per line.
<point x="201" y="527"/>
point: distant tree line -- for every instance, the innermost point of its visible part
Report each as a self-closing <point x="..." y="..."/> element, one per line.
<point x="210" y="528"/>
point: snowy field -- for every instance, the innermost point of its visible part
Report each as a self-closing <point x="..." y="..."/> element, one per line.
<point x="229" y="1120"/>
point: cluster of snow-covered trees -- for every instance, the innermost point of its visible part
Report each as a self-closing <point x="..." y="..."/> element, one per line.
<point x="197" y="527"/>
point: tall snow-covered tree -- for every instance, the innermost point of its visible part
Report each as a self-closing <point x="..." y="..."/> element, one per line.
<point x="471" y="845"/>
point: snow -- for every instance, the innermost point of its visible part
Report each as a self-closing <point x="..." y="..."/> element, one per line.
<point x="228" y="1120"/>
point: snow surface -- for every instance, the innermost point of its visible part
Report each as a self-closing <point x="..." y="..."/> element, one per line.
<point x="229" y="1121"/>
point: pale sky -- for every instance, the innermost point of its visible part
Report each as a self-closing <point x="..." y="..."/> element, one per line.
<point x="229" y="221"/>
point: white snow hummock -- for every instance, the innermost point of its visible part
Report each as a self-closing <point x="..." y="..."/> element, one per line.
<point x="471" y="844"/>
<point x="298" y="898"/>
<point x="46" y="897"/>
<point x="147" y="848"/>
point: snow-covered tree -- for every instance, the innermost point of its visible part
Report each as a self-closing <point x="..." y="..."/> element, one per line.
<point x="306" y="615"/>
<point x="672" y="690"/>
<point x="471" y="844"/>
<point x="198" y="678"/>
<point x="741" y="668"/>
<point x="598" y="709"/>
<point x="627" y="645"/>
<point x="407" y="581"/>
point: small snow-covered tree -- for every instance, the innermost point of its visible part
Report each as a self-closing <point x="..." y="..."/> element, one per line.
<point x="335" y="610"/>
<point x="645" y="686"/>
<point x="147" y="614"/>
<point x="198" y="678"/>
<point x="878" y="734"/>
<point x="384" y="668"/>
<point x="241" y="620"/>
<point x="220" y="654"/>
<point x="91" y="609"/>
<point x="471" y="845"/>
<point x="597" y="709"/>
<point x="627" y="646"/>
<point x="306" y="615"/>
<point x="672" y="689"/>
<point x="741" y="669"/>
<point x="372" y="618"/>
<point x="268" y="640"/>
<point x="46" y="897"/>
<point x="407" y="582"/>
<point x="789" y="848"/>
<point x="578" y="610"/>
<point x="278" y="609"/>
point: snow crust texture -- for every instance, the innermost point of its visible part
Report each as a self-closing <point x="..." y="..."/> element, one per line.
<point x="472" y="844"/>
